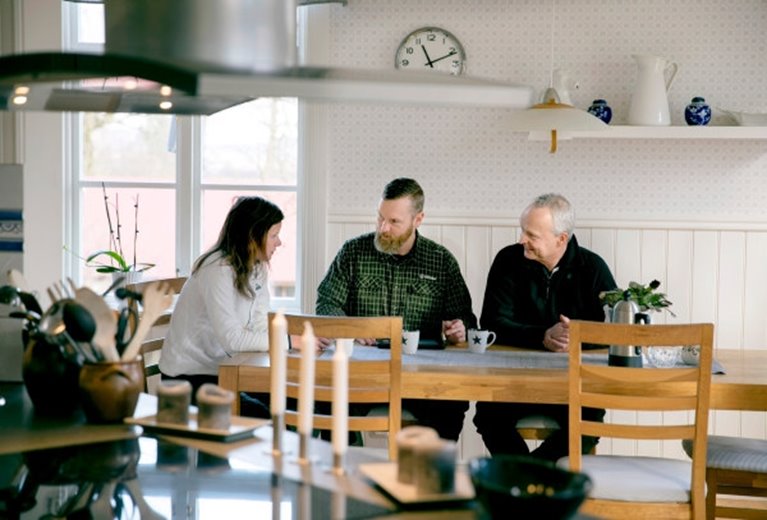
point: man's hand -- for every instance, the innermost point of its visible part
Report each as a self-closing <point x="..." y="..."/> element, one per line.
<point x="320" y="343"/>
<point x="557" y="337"/>
<point x="454" y="331"/>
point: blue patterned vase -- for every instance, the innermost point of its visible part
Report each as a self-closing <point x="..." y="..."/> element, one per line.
<point x="601" y="110"/>
<point x="697" y="112"/>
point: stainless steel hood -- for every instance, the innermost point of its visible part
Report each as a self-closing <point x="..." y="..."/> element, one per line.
<point x="199" y="57"/>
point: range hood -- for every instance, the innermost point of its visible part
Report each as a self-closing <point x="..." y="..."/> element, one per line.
<point x="199" y="57"/>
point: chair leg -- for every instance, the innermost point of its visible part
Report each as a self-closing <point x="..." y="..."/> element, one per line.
<point x="711" y="490"/>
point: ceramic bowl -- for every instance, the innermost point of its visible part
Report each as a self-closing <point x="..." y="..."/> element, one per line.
<point x="747" y="118"/>
<point x="528" y="487"/>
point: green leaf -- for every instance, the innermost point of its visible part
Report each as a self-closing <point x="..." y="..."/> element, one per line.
<point x="122" y="264"/>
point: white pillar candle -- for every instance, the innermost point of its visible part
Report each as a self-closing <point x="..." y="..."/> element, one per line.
<point x="340" y="399"/>
<point x="278" y="348"/>
<point x="306" y="389"/>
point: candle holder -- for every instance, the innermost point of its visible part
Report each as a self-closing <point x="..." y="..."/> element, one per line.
<point x="278" y="426"/>
<point x="338" y="464"/>
<point x="303" y="448"/>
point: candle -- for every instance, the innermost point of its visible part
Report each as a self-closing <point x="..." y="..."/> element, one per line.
<point x="340" y="398"/>
<point x="278" y="348"/>
<point x="214" y="407"/>
<point x="306" y="389"/>
<point x="173" y="399"/>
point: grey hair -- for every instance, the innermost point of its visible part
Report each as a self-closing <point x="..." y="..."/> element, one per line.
<point x="562" y="213"/>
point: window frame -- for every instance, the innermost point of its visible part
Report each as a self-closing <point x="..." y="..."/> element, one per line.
<point x="188" y="187"/>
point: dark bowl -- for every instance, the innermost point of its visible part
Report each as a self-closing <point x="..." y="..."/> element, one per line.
<point x="527" y="487"/>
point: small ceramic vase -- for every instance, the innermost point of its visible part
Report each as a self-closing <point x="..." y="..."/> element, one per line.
<point x="601" y="110"/>
<point x="697" y="113"/>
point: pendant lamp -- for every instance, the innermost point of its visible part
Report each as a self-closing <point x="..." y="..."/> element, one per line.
<point x="552" y="116"/>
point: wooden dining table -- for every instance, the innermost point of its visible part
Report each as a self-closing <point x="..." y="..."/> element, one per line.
<point x="743" y="386"/>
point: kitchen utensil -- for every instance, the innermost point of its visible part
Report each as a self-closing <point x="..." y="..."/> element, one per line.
<point x="81" y="327"/>
<point x="156" y="298"/>
<point x="9" y="295"/>
<point x="126" y="319"/>
<point x="52" y="327"/>
<point x="17" y="278"/>
<point x="106" y="322"/>
<point x="30" y="302"/>
<point x="649" y="102"/>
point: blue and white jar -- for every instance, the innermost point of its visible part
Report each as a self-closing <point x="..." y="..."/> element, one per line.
<point x="601" y="110"/>
<point x="697" y="113"/>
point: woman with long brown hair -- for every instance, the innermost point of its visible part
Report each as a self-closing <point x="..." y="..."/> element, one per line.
<point x="224" y="304"/>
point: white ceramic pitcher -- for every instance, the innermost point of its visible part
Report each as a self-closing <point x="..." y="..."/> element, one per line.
<point x="649" y="102"/>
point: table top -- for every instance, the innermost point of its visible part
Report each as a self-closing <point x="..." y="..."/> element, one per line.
<point x="480" y="377"/>
<point x="66" y="463"/>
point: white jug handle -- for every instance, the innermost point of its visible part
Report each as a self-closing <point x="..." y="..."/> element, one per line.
<point x="674" y="68"/>
<point x="490" y="334"/>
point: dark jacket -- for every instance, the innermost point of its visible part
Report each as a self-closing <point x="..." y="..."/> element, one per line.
<point x="523" y="299"/>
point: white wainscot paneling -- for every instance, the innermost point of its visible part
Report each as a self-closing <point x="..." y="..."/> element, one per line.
<point x="710" y="274"/>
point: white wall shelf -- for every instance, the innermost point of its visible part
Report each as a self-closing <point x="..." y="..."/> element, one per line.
<point x="662" y="132"/>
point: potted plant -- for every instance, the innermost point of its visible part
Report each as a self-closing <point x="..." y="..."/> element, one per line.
<point x="113" y="260"/>
<point x="632" y="305"/>
<point x="646" y="297"/>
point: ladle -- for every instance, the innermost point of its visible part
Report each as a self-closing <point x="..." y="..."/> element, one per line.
<point x="106" y="323"/>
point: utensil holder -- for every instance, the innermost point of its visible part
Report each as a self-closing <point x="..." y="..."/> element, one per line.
<point x="109" y="391"/>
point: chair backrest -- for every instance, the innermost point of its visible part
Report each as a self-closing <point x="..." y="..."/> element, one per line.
<point x="150" y="348"/>
<point x="643" y="389"/>
<point x="369" y="381"/>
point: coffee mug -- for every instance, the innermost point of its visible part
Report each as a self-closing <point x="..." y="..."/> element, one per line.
<point x="480" y="339"/>
<point x="410" y="341"/>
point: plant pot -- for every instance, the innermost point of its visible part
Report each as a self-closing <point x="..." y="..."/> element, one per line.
<point x="129" y="277"/>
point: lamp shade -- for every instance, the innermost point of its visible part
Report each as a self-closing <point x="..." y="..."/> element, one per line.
<point x="553" y="116"/>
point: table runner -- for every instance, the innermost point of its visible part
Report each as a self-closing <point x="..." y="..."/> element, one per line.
<point x="490" y="358"/>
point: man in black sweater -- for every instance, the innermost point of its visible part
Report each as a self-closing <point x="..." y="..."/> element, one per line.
<point x="533" y="290"/>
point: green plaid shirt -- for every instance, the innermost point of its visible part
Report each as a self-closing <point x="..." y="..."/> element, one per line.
<point x="424" y="287"/>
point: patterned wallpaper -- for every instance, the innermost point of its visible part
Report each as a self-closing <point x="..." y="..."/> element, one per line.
<point x="470" y="164"/>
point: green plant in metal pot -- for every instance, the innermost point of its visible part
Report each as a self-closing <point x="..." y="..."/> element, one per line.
<point x="646" y="297"/>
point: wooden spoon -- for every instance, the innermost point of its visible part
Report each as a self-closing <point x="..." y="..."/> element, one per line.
<point x="106" y="323"/>
<point x="18" y="280"/>
<point x="156" y="298"/>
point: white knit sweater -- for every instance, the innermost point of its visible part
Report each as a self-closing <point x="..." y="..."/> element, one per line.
<point x="212" y="320"/>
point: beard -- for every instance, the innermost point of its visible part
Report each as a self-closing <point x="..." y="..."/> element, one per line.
<point x="392" y="244"/>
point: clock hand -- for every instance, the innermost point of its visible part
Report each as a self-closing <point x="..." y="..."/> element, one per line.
<point x="428" y="60"/>
<point x="443" y="57"/>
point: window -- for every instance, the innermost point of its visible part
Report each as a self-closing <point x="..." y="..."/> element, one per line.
<point x="168" y="191"/>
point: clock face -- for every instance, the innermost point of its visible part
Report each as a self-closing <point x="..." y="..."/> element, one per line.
<point x="431" y="49"/>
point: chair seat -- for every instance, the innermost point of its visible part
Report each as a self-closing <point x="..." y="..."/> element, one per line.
<point x="734" y="453"/>
<point x="537" y="422"/>
<point x="636" y="479"/>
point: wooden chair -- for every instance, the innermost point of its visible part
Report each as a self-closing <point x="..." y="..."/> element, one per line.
<point x="150" y="348"/>
<point x="369" y="381"/>
<point x="735" y="466"/>
<point x="641" y="486"/>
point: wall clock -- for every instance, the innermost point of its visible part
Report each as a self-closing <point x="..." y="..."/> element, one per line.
<point x="431" y="49"/>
